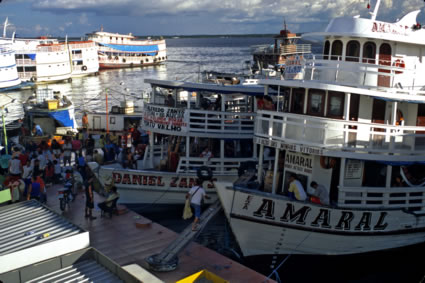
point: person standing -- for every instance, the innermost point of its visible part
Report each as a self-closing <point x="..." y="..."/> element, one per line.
<point x="85" y="121"/>
<point x="89" y="198"/>
<point x="15" y="167"/>
<point x="320" y="192"/>
<point x="67" y="147"/>
<point x="196" y="194"/>
<point x="296" y="189"/>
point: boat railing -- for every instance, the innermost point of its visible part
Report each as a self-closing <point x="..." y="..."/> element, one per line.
<point x="51" y="48"/>
<point x="27" y="75"/>
<point x="22" y="62"/>
<point x="181" y="120"/>
<point x="222" y="166"/>
<point x="363" y="72"/>
<point x="341" y="135"/>
<point x="283" y="50"/>
<point x="237" y="123"/>
<point x="409" y="198"/>
<point x="77" y="56"/>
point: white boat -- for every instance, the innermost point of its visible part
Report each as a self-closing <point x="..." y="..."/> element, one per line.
<point x="355" y="125"/>
<point x="9" y="74"/>
<point x="179" y="131"/>
<point x="84" y="58"/>
<point x="124" y="50"/>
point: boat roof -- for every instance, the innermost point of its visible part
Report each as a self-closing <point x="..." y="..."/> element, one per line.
<point x="221" y="89"/>
<point x="404" y="30"/>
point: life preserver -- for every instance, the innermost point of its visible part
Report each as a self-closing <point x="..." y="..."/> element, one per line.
<point x="123" y="60"/>
<point x="204" y="173"/>
<point x="399" y="64"/>
<point x="327" y="162"/>
<point x="84" y="68"/>
<point x="147" y="60"/>
<point x="116" y="58"/>
<point x="141" y="62"/>
<point x="33" y="79"/>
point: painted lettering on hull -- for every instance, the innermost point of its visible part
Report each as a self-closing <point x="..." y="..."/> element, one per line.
<point x="305" y="216"/>
<point x="138" y="181"/>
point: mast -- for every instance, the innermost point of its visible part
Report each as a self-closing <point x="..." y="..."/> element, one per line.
<point x="6" y="24"/>
<point x="375" y="11"/>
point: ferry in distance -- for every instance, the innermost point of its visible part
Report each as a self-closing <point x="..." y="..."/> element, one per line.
<point x="124" y="50"/>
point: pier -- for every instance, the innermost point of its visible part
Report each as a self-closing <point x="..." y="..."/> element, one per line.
<point x="130" y="238"/>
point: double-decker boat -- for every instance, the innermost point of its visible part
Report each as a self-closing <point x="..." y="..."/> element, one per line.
<point x="184" y="119"/>
<point x="9" y="74"/>
<point x="123" y="50"/>
<point x="355" y="126"/>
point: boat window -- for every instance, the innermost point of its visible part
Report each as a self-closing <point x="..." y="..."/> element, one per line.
<point x="335" y="104"/>
<point x="336" y="50"/>
<point x="326" y="50"/>
<point x="298" y="100"/>
<point x="369" y="52"/>
<point x="316" y="101"/>
<point x="353" y="51"/>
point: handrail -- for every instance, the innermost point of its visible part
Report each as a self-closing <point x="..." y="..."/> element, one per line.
<point x="334" y="134"/>
<point x="363" y="72"/>
<point x="412" y="198"/>
<point x="222" y="166"/>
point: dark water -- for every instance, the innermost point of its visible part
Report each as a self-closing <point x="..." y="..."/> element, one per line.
<point x="187" y="57"/>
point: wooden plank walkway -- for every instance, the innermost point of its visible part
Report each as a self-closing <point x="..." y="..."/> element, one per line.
<point x="120" y="239"/>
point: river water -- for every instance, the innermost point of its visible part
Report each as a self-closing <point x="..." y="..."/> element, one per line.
<point x="187" y="57"/>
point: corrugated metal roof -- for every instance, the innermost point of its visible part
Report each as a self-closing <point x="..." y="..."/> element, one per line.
<point x="84" y="271"/>
<point x="23" y="225"/>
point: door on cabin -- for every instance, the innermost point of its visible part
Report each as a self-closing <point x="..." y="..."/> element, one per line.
<point x="384" y="60"/>
<point x="420" y="122"/>
<point x="378" y="117"/>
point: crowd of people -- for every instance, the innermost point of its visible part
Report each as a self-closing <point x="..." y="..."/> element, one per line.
<point x="29" y="169"/>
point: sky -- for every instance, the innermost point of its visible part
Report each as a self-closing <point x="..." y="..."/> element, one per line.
<point x="75" y="18"/>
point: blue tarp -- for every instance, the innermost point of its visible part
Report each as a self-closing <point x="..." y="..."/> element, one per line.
<point x="63" y="118"/>
<point x="32" y="56"/>
<point x="132" y="48"/>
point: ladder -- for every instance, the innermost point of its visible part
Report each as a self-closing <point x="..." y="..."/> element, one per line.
<point x="167" y="259"/>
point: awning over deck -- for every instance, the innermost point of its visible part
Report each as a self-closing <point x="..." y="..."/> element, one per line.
<point x="132" y="48"/>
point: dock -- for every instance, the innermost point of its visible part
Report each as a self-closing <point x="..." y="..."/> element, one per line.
<point x="130" y="238"/>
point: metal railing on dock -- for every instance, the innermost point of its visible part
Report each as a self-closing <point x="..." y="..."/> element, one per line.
<point x="167" y="260"/>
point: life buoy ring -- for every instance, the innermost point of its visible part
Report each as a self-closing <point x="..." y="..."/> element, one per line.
<point x="33" y="79"/>
<point x="116" y="57"/>
<point x="327" y="162"/>
<point x="147" y="60"/>
<point x="123" y="60"/>
<point x="141" y="62"/>
<point x="204" y="173"/>
<point x="84" y="68"/>
<point x="399" y="64"/>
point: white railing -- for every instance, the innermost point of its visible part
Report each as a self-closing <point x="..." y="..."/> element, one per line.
<point x="365" y="72"/>
<point x="284" y="50"/>
<point x="22" y="62"/>
<point x="217" y="122"/>
<point x="77" y="56"/>
<point x="341" y="135"/>
<point x="222" y="166"/>
<point x="27" y="75"/>
<point x="412" y="198"/>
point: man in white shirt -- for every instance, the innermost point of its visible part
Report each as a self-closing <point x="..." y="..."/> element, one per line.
<point x="196" y="194"/>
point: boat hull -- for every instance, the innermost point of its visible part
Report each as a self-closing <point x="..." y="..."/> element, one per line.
<point x="292" y="227"/>
<point x="158" y="187"/>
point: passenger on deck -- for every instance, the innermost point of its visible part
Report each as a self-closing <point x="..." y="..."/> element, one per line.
<point x="268" y="104"/>
<point x="320" y="194"/>
<point x="170" y="101"/>
<point x="296" y="189"/>
<point x="37" y="130"/>
<point x="207" y="153"/>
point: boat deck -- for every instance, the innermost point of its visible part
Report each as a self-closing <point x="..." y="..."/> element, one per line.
<point x="120" y="239"/>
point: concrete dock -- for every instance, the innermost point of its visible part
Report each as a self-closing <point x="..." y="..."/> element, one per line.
<point x="127" y="243"/>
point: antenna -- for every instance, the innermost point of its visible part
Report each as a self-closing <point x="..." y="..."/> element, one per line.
<point x="284" y="23"/>
<point x="375" y="11"/>
<point x="6" y="24"/>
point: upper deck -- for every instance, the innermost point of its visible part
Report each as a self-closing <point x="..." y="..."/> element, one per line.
<point x="201" y="110"/>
